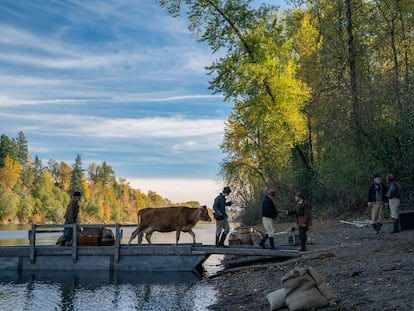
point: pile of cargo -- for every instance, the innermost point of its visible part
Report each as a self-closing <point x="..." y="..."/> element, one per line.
<point x="96" y="236"/>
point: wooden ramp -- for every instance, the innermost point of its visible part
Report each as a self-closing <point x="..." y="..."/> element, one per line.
<point x="245" y="250"/>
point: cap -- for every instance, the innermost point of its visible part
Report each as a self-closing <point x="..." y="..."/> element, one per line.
<point x="77" y="194"/>
<point x="376" y="175"/>
<point x="271" y="191"/>
<point x="226" y="190"/>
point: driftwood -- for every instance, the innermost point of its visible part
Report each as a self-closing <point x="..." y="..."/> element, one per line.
<point x="357" y="223"/>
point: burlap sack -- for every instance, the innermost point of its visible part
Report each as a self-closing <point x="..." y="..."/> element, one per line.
<point x="306" y="289"/>
<point x="276" y="299"/>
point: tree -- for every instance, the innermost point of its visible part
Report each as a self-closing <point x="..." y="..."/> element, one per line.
<point x="156" y="199"/>
<point x="7" y="148"/>
<point x="9" y="173"/>
<point x="22" y="149"/>
<point x="76" y="180"/>
<point x="258" y="72"/>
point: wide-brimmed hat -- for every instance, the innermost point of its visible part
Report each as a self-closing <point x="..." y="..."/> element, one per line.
<point x="77" y="194"/>
<point x="226" y="190"/>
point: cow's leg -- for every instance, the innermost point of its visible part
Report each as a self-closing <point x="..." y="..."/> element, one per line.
<point x="193" y="235"/>
<point x="133" y="235"/>
<point x="148" y="236"/>
<point x="177" y="236"/>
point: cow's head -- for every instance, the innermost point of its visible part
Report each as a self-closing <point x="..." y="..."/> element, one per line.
<point x="204" y="214"/>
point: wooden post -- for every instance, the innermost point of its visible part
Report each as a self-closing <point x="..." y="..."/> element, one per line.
<point x="74" y="242"/>
<point x="33" y="244"/>
<point x="118" y="237"/>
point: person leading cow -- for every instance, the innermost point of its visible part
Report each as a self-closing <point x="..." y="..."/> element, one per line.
<point x="220" y="215"/>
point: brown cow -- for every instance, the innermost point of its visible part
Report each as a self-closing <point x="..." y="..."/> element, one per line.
<point x="168" y="219"/>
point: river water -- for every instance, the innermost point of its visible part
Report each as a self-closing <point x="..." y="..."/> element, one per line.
<point x="102" y="290"/>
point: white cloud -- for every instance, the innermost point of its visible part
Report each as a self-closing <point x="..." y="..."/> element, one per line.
<point x="181" y="190"/>
<point x="105" y="127"/>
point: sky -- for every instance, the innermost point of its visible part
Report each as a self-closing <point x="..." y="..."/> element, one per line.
<point x="115" y="81"/>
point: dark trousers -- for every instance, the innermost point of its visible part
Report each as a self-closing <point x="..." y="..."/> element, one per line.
<point x="303" y="236"/>
<point x="67" y="233"/>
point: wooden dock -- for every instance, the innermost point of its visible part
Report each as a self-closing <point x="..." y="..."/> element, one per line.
<point x="118" y="257"/>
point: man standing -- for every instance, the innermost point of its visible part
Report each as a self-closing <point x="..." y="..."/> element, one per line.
<point x="71" y="217"/>
<point x="303" y="218"/>
<point x="394" y="196"/>
<point x="377" y="198"/>
<point x="269" y="215"/>
<point x="220" y="215"/>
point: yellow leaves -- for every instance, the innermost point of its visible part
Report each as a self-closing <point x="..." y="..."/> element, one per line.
<point x="307" y="40"/>
<point x="10" y="172"/>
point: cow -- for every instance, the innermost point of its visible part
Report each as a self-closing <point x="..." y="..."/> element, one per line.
<point x="168" y="219"/>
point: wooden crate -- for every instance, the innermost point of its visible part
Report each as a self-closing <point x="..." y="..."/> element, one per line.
<point x="234" y="242"/>
<point x="88" y="240"/>
<point x="407" y="220"/>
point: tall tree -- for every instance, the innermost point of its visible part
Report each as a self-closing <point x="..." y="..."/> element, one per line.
<point x="258" y="72"/>
<point x="7" y="148"/>
<point x="76" y="180"/>
<point x="22" y="149"/>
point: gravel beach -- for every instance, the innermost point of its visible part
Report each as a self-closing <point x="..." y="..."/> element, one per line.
<point x="367" y="271"/>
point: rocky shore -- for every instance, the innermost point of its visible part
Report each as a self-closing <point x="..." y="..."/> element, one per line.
<point x="367" y="271"/>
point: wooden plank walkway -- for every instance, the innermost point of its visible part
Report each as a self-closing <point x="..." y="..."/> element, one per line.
<point x="246" y="250"/>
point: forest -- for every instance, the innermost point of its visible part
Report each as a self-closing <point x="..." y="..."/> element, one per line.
<point x="322" y="93"/>
<point x="31" y="192"/>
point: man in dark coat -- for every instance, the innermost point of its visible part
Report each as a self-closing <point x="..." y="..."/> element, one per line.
<point x="269" y="215"/>
<point x="220" y="215"/>
<point x="71" y="217"/>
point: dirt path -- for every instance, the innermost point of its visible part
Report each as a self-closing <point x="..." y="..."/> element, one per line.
<point x="368" y="271"/>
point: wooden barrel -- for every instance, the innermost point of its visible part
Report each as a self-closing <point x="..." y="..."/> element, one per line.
<point x="245" y="235"/>
<point x="244" y="230"/>
<point x="245" y="238"/>
<point x="107" y="238"/>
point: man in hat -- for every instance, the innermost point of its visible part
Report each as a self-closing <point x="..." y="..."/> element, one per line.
<point x="71" y="217"/>
<point x="220" y="215"/>
<point x="377" y="198"/>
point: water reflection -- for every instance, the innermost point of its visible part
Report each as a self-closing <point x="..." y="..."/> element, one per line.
<point x="104" y="291"/>
<point x="101" y="290"/>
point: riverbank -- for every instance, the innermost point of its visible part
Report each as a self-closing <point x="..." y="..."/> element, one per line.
<point x="367" y="271"/>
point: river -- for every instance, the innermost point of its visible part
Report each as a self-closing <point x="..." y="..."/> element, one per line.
<point x="102" y="290"/>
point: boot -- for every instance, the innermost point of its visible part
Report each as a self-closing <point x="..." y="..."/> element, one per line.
<point x="272" y="243"/>
<point x="379" y="228"/>
<point x="396" y="226"/>
<point x="263" y="240"/>
<point x="223" y="237"/>
<point x="217" y="240"/>
<point x="375" y="227"/>
<point x="63" y="243"/>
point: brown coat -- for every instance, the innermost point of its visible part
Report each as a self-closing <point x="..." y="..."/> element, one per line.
<point x="303" y="214"/>
<point x="72" y="212"/>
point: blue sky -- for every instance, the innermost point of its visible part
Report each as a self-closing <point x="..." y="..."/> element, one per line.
<point x="115" y="81"/>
